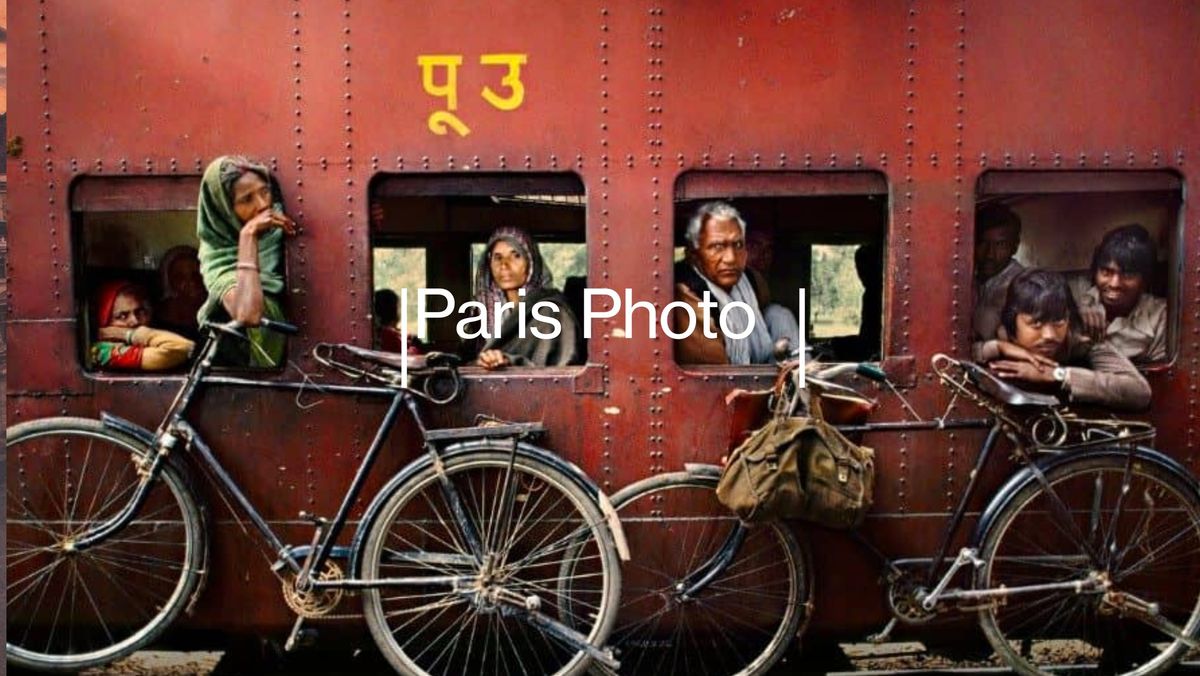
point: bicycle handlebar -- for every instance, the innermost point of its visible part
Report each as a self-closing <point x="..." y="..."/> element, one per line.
<point x="279" y="326"/>
<point x="237" y="329"/>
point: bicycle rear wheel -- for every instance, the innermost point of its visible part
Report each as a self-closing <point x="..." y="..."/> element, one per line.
<point x="742" y="621"/>
<point x="548" y="558"/>
<point x="1142" y="541"/>
<point x="70" y="609"/>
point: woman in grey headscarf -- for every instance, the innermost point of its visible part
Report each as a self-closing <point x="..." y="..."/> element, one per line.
<point x="512" y="270"/>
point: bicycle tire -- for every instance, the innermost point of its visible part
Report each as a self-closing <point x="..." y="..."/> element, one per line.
<point x="742" y="622"/>
<point x="116" y="596"/>
<point x="1154" y="553"/>
<point x="458" y="631"/>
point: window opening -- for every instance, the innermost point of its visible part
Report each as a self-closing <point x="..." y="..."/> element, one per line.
<point x="824" y="232"/>
<point x="449" y="219"/>
<point x="1063" y="221"/>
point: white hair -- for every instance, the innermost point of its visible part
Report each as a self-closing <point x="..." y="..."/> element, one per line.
<point x="721" y="210"/>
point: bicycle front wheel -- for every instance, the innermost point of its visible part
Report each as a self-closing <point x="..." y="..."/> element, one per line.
<point x="69" y="608"/>
<point x="1135" y="536"/>
<point x="741" y="620"/>
<point x="541" y="576"/>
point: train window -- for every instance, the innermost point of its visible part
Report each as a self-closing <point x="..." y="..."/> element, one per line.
<point x="135" y="261"/>
<point x="1116" y="236"/>
<point x="430" y="231"/>
<point x="396" y="268"/>
<point x="836" y="291"/>
<point x="820" y="231"/>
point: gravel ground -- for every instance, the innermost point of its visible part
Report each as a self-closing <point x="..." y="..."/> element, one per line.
<point x="860" y="659"/>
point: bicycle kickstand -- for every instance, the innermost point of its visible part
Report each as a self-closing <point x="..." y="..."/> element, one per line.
<point x="884" y="634"/>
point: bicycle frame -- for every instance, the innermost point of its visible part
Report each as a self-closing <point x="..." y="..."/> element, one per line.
<point x="175" y="428"/>
<point x="937" y="584"/>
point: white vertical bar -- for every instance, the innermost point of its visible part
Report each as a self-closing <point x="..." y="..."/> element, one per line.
<point x="404" y="335"/>
<point x="801" y="314"/>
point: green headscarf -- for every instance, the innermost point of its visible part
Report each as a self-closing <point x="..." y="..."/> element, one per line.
<point x="218" y="227"/>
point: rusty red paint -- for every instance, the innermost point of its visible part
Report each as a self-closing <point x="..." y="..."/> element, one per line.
<point x="629" y="97"/>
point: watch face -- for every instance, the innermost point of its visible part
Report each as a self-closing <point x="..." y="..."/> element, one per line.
<point x="1060" y="373"/>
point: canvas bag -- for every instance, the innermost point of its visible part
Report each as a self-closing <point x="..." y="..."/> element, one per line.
<point x="799" y="468"/>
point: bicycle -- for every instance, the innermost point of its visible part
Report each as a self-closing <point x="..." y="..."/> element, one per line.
<point x="459" y="558"/>
<point x="1089" y="554"/>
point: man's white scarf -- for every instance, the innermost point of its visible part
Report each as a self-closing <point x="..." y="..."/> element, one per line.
<point x="753" y="349"/>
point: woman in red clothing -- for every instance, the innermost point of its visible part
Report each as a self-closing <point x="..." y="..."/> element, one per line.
<point x="124" y="339"/>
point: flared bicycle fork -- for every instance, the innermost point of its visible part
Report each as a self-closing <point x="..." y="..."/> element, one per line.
<point x="487" y="592"/>
<point x="148" y="469"/>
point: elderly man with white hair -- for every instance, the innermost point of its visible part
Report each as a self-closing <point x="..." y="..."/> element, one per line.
<point x="716" y="263"/>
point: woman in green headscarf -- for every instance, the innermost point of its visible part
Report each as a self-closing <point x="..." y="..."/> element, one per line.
<point x="241" y="226"/>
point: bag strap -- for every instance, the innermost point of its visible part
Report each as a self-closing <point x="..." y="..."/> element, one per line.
<point x="814" y="407"/>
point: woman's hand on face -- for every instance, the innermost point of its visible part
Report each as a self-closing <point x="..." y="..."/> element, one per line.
<point x="268" y="220"/>
<point x="492" y="359"/>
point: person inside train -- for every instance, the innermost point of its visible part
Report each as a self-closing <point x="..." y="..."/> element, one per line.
<point x="865" y="345"/>
<point x="1116" y="306"/>
<point x="760" y="256"/>
<point x="512" y="270"/>
<point x="124" y="339"/>
<point x="241" y="225"/>
<point x="1042" y="346"/>
<point x="183" y="292"/>
<point x="388" y="337"/>
<point x="716" y="261"/>
<point x="997" y="237"/>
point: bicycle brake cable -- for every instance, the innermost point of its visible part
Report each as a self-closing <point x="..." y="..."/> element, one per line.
<point x="307" y="380"/>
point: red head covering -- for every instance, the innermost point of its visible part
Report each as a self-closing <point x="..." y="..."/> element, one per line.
<point x="107" y="297"/>
<point x="114" y="354"/>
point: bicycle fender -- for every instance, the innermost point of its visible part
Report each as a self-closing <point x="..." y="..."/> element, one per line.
<point x="702" y="470"/>
<point x="145" y="436"/>
<point x="568" y="468"/>
<point x="127" y="427"/>
<point x="1026" y="476"/>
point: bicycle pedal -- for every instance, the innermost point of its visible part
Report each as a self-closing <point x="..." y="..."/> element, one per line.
<point x="303" y="638"/>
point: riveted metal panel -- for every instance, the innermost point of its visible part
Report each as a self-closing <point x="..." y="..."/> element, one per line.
<point x="1080" y="78"/>
<point x="628" y="96"/>
<point x="163" y="80"/>
<point x="744" y="78"/>
<point x="551" y="111"/>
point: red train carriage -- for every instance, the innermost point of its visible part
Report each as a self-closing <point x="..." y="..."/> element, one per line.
<point x="403" y="134"/>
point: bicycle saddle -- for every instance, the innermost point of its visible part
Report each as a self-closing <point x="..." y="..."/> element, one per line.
<point x="1004" y="391"/>
<point x="396" y="360"/>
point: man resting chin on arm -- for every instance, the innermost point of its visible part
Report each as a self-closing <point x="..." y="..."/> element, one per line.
<point x="1043" y="347"/>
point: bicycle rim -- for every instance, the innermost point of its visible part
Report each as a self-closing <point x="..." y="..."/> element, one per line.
<point x="742" y="622"/>
<point x="478" y="626"/>
<point x="69" y="610"/>
<point x="1149" y="548"/>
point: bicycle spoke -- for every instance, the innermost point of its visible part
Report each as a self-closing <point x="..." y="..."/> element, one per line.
<point x="1148" y="533"/>
<point x="531" y="530"/>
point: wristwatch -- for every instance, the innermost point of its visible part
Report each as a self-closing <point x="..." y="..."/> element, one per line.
<point x="1060" y="375"/>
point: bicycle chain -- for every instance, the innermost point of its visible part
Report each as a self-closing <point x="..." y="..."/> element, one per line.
<point x="317" y="603"/>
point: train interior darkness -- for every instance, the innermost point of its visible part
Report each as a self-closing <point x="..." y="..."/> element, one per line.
<point x="1065" y="215"/>
<point x="137" y="231"/>
<point x="431" y="231"/>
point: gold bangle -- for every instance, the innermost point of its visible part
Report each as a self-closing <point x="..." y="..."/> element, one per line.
<point x="247" y="266"/>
